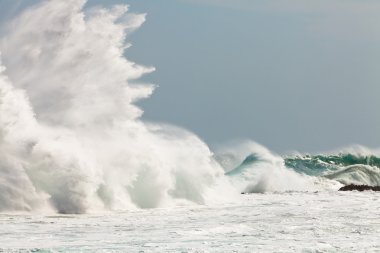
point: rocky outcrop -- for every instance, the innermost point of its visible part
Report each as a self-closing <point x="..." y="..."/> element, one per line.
<point x="353" y="187"/>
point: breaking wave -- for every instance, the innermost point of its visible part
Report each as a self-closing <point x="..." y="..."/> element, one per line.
<point x="317" y="164"/>
<point x="263" y="171"/>
<point x="72" y="139"/>
<point x="348" y="167"/>
<point x="357" y="174"/>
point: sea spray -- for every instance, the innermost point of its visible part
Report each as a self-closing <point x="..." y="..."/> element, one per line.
<point x="17" y="126"/>
<point x="72" y="137"/>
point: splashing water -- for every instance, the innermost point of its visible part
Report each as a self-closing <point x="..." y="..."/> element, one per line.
<point x="72" y="139"/>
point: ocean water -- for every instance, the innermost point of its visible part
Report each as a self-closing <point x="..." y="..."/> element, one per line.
<point x="81" y="171"/>
<point x="271" y="222"/>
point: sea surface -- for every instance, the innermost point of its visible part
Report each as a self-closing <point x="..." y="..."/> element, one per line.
<point x="271" y="222"/>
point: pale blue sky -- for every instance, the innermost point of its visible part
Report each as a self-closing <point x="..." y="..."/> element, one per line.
<point x="290" y="74"/>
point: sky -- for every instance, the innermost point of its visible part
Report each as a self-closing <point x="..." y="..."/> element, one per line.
<point x="289" y="74"/>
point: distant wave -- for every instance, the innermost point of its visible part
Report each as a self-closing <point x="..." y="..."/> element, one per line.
<point x="321" y="171"/>
<point x="262" y="171"/>
<point x="346" y="168"/>
<point x="317" y="164"/>
<point x="357" y="174"/>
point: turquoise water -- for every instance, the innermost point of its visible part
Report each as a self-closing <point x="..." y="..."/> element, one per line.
<point x="344" y="168"/>
<point x="319" y="164"/>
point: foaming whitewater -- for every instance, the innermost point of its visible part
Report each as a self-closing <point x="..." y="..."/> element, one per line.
<point x="72" y="139"/>
<point x="261" y="171"/>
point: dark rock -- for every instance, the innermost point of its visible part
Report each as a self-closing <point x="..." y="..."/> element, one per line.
<point x="353" y="187"/>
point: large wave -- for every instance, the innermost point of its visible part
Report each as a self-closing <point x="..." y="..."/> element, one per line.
<point x="72" y="139"/>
